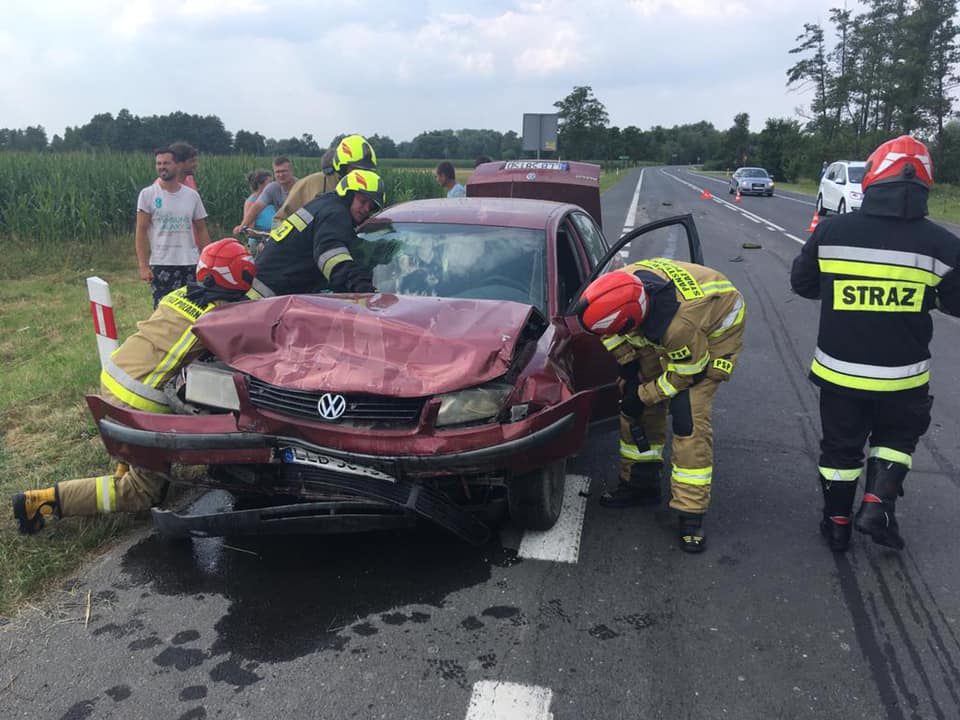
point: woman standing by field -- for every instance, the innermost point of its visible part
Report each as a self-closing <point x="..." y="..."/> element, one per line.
<point x="257" y="180"/>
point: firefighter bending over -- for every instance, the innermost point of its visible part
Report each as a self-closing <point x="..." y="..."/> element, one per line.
<point x="134" y="377"/>
<point x="676" y="329"/>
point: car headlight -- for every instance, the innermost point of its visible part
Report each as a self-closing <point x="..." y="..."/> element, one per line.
<point x="772" y="183"/>
<point x="855" y="195"/>
<point x="473" y="405"/>
<point x="744" y="183"/>
<point x="211" y="386"/>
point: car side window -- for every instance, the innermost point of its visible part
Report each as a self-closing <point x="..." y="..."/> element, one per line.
<point x="832" y="172"/>
<point x="590" y="235"/>
<point x="570" y="270"/>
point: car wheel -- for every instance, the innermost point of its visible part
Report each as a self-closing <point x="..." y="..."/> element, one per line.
<point x="821" y="210"/>
<point x="536" y="498"/>
<point x="770" y="194"/>
<point x="842" y="207"/>
<point x="730" y="190"/>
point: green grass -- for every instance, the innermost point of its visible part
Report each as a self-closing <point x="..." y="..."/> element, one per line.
<point x="49" y="356"/>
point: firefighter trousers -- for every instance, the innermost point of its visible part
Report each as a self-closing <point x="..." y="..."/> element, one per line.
<point x="134" y="490"/>
<point x="691" y="447"/>
<point x="893" y="423"/>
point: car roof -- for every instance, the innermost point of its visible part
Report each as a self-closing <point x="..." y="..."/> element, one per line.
<point x="750" y="167"/>
<point x="497" y="212"/>
<point x="853" y="163"/>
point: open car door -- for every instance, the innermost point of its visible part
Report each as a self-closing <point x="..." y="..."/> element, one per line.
<point x="675" y="238"/>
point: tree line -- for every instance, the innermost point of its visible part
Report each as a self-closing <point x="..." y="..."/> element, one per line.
<point x="127" y="132"/>
<point x="888" y="70"/>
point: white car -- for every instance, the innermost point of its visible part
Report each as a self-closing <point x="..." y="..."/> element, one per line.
<point x="840" y="190"/>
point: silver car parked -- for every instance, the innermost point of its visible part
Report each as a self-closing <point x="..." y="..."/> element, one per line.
<point x="751" y="181"/>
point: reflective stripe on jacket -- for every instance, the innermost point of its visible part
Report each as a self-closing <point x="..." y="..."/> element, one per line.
<point x="695" y="325"/>
<point x="137" y="371"/>
<point x="877" y="278"/>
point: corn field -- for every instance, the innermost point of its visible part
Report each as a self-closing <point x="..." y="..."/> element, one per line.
<point x="50" y="199"/>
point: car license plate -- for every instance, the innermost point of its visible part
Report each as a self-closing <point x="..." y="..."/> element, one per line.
<point x="300" y="456"/>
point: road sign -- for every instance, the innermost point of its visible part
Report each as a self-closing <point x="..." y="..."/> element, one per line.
<point x="540" y="132"/>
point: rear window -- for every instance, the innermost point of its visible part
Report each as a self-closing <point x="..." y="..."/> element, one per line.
<point x="855" y="174"/>
<point x="457" y="261"/>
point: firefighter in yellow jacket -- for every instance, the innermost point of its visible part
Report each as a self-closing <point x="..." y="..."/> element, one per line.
<point x="676" y="329"/>
<point x="134" y="376"/>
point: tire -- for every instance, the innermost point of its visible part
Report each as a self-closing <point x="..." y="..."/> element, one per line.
<point x="770" y="194"/>
<point x="536" y="499"/>
<point x="821" y="210"/>
<point x="842" y="207"/>
<point x="729" y="190"/>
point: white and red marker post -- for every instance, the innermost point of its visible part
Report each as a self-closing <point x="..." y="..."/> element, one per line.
<point x="101" y="307"/>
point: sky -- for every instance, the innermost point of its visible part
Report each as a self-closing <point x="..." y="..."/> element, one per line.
<point x="287" y="67"/>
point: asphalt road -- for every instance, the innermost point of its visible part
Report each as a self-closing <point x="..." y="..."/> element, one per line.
<point x="766" y="624"/>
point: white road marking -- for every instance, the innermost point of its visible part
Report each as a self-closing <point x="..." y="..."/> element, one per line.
<point x="632" y="211"/>
<point x="495" y="700"/>
<point x="730" y="206"/>
<point x="561" y="543"/>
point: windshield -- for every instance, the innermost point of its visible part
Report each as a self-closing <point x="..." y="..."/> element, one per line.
<point x="855" y="174"/>
<point x="753" y="172"/>
<point x="457" y="261"/>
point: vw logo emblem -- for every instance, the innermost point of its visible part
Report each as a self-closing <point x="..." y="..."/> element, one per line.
<point x="331" y="406"/>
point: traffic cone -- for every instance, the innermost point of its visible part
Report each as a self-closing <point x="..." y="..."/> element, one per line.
<point x="737" y="198"/>
<point x="705" y="195"/>
<point x="813" y="223"/>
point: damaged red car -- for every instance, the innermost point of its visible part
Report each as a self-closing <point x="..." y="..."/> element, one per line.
<point x="456" y="393"/>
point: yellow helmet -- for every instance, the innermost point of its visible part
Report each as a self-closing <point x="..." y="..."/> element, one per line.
<point x="354" y="152"/>
<point x="365" y="182"/>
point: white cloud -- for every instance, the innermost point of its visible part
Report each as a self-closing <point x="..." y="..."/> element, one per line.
<point x="133" y="17"/>
<point x="285" y="67"/>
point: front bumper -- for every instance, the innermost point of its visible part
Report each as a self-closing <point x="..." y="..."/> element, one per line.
<point x="756" y="190"/>
<point x="157" y="441"/>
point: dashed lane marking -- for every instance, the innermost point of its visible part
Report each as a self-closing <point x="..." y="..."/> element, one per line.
<point x="725" y="182"/>
<point x="730" y="206"/>
<point x="495" y="700"/>
<point x="561" y="543"/>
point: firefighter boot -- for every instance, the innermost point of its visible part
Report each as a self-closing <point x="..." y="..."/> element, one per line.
<point x="33" y="507"/>
<point x="692" y="537"/>
<point x="837" y="505"/>
<point x="643" y="488"/>
<point x="876" y="514"/>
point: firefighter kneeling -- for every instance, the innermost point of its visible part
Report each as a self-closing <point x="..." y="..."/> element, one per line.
<point x="675" y="329"/>
<point x="134" y="377"/>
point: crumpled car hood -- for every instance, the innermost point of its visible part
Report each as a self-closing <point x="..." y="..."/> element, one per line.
<point x="378" y="344"/>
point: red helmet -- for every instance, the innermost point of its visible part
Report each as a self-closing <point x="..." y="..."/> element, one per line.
<point x="903" y="159"/>
<point x="228" y="264"/>
<point x="613" y="303"/>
